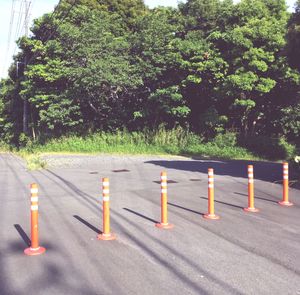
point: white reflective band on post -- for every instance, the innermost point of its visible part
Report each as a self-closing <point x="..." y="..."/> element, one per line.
<point x="163" y="191"/>
<point x="250" y="181"/>
<point x="250" y="175"/>
<point x="34" y="190"/>
<point x="163" y="177"/>
<point x="105" y="183"/>
<point x="105" y="199"/>
<point x="164" y="184"/>
<point x="285" y="166"/>
<point x="285" y="171"/>
<point x="34" y="207"/>
<point x="250" y="169"/>
<point x="210" y="185"/>
<point x="210" y="180"/>
<point x="106" y="191"/>
<point x="210" y="173"/>
<point x="34" y="199"/>
<point x="285" y="177"/>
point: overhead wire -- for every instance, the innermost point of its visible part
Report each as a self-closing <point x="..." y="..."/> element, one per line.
<point x="10" y="29"/>
<point x="20" y="18"/>
<point x="11" y="22"/>
<point x="26" y="18"/>
<point x="19" y="28"/>
<point x="23" y="15"/>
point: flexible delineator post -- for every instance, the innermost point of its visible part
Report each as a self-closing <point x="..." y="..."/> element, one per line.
<point x="285" y="199"/>
<point x="34" y="249"/>
<point x="251" y="207"/>
<point x="106" y="234"/>
<point x="211" y="206"/>
<point x="164" y="203"/>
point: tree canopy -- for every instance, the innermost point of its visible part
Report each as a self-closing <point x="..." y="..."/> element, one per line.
<point x="208" y="65"/>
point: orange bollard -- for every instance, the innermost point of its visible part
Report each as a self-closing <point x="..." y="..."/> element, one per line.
<point x="106" y="234"/>
<point x="34" y="249"/>
<point x="211" y="206"/>
<point x="251" y="207"/>
<point x="285" y="200"/>
<point x="164" y="201"/>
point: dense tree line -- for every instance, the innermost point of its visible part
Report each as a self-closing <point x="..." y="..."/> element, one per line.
<point x="209" y="65"/>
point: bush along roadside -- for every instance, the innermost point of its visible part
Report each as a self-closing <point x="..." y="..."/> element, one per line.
<point x="269" y="147"/>
<point x="177" y="141"/>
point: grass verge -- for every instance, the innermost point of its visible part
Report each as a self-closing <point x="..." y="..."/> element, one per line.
<point x="34" y="161"/>
<point x="162" y="142"/>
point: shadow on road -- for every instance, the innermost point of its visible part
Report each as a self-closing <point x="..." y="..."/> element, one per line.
<point x="93" y="228"/>
<point x="186" y="209"/>
<point x="23" y="234"/>
<point x="141" y="215"/>
<point x="224" y="203"/>
<point x="266" y="171"/>
<point x="263" y="199"/>
<point x="165" y="262"/>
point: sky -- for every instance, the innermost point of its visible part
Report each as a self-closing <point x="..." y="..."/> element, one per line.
<point x="38" y="8"/>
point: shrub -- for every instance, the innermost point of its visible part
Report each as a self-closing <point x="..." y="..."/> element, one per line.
<point x="228" y="139"/>
<point x="270" y="148"/>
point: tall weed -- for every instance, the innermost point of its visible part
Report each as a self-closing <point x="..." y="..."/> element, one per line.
<point x="162" y="141"/>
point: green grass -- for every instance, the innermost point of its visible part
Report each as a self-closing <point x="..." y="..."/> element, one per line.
<point x="34" y="162"/>
<point x="174" y="142"/>
<point x="4" y="147"/>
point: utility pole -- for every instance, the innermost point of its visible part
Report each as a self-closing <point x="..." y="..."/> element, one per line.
<point x="25" y="103"/>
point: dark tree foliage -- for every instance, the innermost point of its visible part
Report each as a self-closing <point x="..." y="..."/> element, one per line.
<point x="293" y="36"/>
<point x="210" y="65"/>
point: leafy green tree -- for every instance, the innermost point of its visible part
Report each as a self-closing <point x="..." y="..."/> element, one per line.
<point x="253" y="51"/>
<point x="203" y="70"/>
<point x="154" y="50"/>
<point x="211" y="65"/>
<point x="293" y="36"/>
<point x="99" y="69"/>
<point x="76" y="85"/>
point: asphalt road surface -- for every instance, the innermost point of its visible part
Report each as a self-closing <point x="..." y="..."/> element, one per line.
<point x="242" y="253"/>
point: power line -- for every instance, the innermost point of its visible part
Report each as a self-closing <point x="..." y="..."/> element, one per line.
<point x="19" y="20"/>
<point x="18" y="31"/>
<point x="18" y="25"/>
<point x="25" y="102"/>
<point x="11" y="22"/>
<point x="26" y="19"/>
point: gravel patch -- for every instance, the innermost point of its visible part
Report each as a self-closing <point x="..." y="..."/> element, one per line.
<point x="83" y="161"/>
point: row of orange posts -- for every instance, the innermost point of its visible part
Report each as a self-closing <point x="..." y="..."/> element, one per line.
<point x="35" y="249"/>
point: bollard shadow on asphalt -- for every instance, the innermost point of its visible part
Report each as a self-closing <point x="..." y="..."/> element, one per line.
<point x="255" y="197"/>
<point x="141" y="215"/>
<point x="224" y="203"/>
<point x="186" y="209"/>
<point x="266" y="171"/>
<point x="170" y="181"/>
<point x="23" y="235"/>
<point x="93" y="228"/>
<point x="18" y="246"/>
<point x="164" y="262"/>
